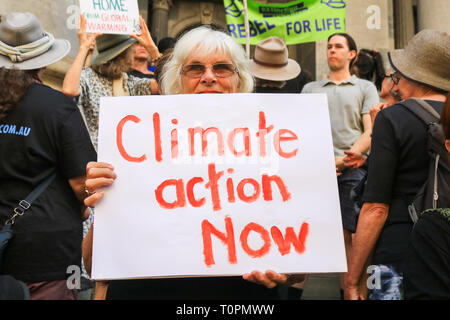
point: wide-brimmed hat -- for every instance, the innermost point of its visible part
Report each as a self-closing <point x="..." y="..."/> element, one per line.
<point x="271" y="61"/>
<point x="110" y="46"/>
<point x="425" y="59"/>
<point x="25" y="45"/>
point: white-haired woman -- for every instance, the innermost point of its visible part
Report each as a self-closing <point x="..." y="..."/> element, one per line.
<point x="203" y="61"/>
<point x="194" y="52"/>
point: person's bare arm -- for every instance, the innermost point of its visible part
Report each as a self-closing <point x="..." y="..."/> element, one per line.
<point x="362" y="145"/>
<point x="71" y="83"/>
<point x="371" y="221"/>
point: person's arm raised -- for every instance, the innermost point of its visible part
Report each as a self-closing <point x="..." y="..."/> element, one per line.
<point x="71" y="84"/>
<point x="145" y="39"/>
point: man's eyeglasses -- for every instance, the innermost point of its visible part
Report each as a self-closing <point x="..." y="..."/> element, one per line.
<point x="221" y="70"/>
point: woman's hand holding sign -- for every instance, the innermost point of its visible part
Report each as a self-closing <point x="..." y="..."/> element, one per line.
<point x="98" y="175"/>
<point x="271" y="279"/>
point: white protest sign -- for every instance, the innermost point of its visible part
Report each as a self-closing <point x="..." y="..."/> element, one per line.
<point x="111" y="16"/>
<point x="217" y="185"/>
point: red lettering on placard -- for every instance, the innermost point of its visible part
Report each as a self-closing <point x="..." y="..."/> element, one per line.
<point x="181" y="197"/>
<point x="264" y="235"/>
<point x="241" y="193"/>
<point x="278" y="138"/>
<point x="119" y="139"/>
<point x="267" y="187"/>
<point x="284" y="243"/>
<point x="246" y="138"/>
<point x="227" y="239"/>
<point x="230" y="187"/>
<point x="213" y="185"/>
<point x="262" y="132"/>
<point x="174" y="140"/>
<point x="157" y="133"/>
<point x="190" y="192"/>
<point x="204" y="135"/>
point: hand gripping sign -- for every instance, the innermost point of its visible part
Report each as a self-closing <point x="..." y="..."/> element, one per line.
<point x="111" y="16"/>
<point x="217" y="185"/>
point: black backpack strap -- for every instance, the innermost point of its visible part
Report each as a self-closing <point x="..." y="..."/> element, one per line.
<point x="26" y="203"/>
<point x="422" y="110"/>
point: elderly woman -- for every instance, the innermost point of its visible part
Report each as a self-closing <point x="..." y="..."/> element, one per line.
<point x="203" y="61"/>
<point x="398" y="166"/>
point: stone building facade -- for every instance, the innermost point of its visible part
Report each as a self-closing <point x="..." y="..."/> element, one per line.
<point x="380" y="25"/>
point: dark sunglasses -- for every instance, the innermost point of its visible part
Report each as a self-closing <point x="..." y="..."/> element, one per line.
<point x="222" y="70"/>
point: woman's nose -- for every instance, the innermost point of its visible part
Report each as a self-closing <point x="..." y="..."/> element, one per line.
<point x="209" y="76"/>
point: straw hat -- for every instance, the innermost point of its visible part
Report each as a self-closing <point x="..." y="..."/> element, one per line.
<point x="25" y="45"/>
<point x="425" y="59"/>
<point x="110" y="46"/>
<point x="271" y="61"/>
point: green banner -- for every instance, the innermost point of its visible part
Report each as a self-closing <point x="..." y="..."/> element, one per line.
<point x="295" y="22"/>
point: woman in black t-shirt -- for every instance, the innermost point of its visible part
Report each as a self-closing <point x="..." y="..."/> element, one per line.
<point x="41" y="132"/>
<point x="398" y="166"/>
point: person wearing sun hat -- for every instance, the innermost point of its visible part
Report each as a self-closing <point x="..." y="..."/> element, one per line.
<point x="273" y="70"/>
<point x="398" y="166"/>
<point x="106" y="74"/>
<point x="34" y="49"/>
<point x="42" y="133"/>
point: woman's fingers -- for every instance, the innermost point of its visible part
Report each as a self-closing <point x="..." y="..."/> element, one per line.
<point x="260" y="278"/>
<point x="93" y="199"/>
<point x="276" y="277"/>
<point x="92" y="185"/>
<point x="98" y="175"/>
<point x="94" y="164"/>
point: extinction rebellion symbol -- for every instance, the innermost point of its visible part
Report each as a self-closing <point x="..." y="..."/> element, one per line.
<point x="336" y="4"/>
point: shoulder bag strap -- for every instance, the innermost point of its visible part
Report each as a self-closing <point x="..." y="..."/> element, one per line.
<point x="26" y="203"/>
<point x="422" y="110"/>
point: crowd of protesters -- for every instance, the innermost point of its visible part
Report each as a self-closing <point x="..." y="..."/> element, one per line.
<point x="379" y="143"/>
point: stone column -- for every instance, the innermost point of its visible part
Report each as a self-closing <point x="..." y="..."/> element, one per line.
<point x="403" y="22"/>
<point x="143" y="9"/>
<point x="434" y="15"/>
<point x="160" y="15"/>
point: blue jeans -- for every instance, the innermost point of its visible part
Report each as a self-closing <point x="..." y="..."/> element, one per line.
<point x="346" y="182"/>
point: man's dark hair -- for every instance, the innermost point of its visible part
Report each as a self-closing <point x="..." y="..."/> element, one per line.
<point x="350" y="43"/>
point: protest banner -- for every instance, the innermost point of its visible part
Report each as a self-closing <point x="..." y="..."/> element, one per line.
<point x="111" y="16"/>
<point x="217" y="185"/>
<point x="295" y="22"/>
